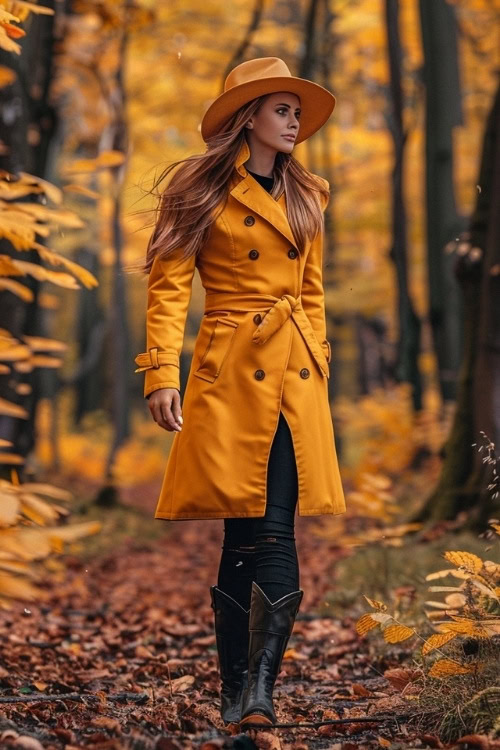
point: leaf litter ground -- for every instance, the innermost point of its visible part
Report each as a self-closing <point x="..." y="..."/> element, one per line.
<point x="122" y="654"/>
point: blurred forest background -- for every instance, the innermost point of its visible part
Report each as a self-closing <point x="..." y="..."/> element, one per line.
<point x="96" y="98"/>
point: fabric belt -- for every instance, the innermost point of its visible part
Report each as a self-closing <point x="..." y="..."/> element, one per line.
<point x="277" y="311"/>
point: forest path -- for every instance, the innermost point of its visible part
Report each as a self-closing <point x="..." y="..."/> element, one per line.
<point x="137" y="620"/>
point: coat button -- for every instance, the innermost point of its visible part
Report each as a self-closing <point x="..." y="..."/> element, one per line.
<point x="259" y="374"/>
<point x="304" y="373"/>
<point x="292" y="253"/>
<point x="257" y="318"/>
<point x="249" y="221"/>
<point x="253" y="254"/>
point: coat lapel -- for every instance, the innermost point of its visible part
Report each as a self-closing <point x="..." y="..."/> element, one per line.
<point x="253" y="195"/>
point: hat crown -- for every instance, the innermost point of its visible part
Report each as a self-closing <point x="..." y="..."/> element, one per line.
<point x="254" y="70"/>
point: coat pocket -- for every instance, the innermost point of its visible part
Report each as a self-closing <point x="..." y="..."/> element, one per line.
<point x="217" y="350"/>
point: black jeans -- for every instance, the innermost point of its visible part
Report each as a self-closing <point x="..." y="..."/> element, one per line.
<point x="263" y="549"/>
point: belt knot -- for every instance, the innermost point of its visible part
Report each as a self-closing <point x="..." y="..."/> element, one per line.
<point x="275" y="317"/>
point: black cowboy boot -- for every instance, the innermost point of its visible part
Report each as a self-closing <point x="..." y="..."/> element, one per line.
<point x="231" y="631"/>
<point x="270" y="627"/>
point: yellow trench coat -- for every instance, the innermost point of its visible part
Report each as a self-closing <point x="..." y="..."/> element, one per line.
<point x="261" y="348"/>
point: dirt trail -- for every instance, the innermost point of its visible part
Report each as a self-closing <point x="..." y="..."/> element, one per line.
<point x="138" y="621"/>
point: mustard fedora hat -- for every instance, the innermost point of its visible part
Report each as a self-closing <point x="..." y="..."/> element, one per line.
<point x="268" y="75"/>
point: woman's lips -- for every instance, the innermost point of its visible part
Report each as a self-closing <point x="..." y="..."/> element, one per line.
<point x="289" y="137"/>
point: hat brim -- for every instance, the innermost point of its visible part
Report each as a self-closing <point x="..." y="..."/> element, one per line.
<point x="316" y="103"/>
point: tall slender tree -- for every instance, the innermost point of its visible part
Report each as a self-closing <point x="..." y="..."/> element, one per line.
<point x="443" y="113"/>
<point x="409" y="324"/>
<point x="26" y="129"/>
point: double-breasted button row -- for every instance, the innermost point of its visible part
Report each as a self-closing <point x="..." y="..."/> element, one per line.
<point x="249" y="221"/>
<point x="260" y="374"/>
<point x="254" y="254"/>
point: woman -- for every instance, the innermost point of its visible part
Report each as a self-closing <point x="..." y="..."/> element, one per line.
<point x="254" y="437"/>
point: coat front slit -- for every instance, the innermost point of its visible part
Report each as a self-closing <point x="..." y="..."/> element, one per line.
<point x="261" y="348"/>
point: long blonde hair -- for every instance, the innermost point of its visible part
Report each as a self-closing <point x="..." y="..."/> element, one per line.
<point x="198" y="191"/>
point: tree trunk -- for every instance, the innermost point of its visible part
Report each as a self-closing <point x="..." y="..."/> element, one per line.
<point x="408" y="344"/>
<point x="465" y="476"/>
<point x="26" y="128"/>
<point x="443" y="112"/>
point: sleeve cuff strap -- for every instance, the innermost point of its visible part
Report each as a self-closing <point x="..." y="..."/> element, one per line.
<point x="154" y="358"/>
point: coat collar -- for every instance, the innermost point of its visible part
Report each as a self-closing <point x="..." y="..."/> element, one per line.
<point x="256" y="198"/>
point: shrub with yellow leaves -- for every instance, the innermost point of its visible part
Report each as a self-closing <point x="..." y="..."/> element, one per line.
<point x="29" y="514"/>
<point x="465" y="647"/>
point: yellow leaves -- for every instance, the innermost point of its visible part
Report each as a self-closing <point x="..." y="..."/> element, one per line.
<point x="9" y="409"/>
<point x="79" y="189"/>
<point x="23" y="8"/>
<point x="17" y="288"/>
<point x="365" y="623"/>
<point x="7" y="76"/>
<point x="29" y="184"/>
<point x="436" y="641"/>
<point x="8" y="266"/>
<point x="105" y="160"/>
<point x="21" y="222"/>
<point x="6" y="17"/>
<point x="24" y="357"/>
<point x="88" y="279"/>
<point x="52" y="216"/>
<point x="472" y="563"/>
<point x="40" y="343"/>
<point x="395" y="633"/>
<point x="6" y="42"/>
<point x="22" y="544"/>
<point x="15" y="587"/>
<point x="45" y="274"/>
<point x="466" y="626"/>
<point x="449" y="668"/>
<point x="376" y="604"/>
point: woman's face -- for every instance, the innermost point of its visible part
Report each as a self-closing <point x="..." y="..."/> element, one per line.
<point x="277" y="118"/>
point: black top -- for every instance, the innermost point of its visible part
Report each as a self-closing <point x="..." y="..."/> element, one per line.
<point x="266" y="182"/>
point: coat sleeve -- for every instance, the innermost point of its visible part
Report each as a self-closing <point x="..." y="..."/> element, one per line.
<point x="313" y="297"/>
<point x="169" y="293"/>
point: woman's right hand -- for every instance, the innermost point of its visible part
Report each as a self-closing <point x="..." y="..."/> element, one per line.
<point x="165" y="407"/>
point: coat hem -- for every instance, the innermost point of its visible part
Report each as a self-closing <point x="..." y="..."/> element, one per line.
<point x="200" y="516"/>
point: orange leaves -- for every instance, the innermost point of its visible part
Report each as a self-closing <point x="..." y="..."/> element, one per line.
<point x="32" y="503"/>
<point x="436" y="641"/>
<point x="396" y="632"/>
<point x="471" y="563"/>
<point x="449" y="668"/>
<point x="365" y="623"/>
<point x="104" y="160"/>
<point x="392" y="630"/>
<point x="21" y="222"/>
<point x="7" y="76"/>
